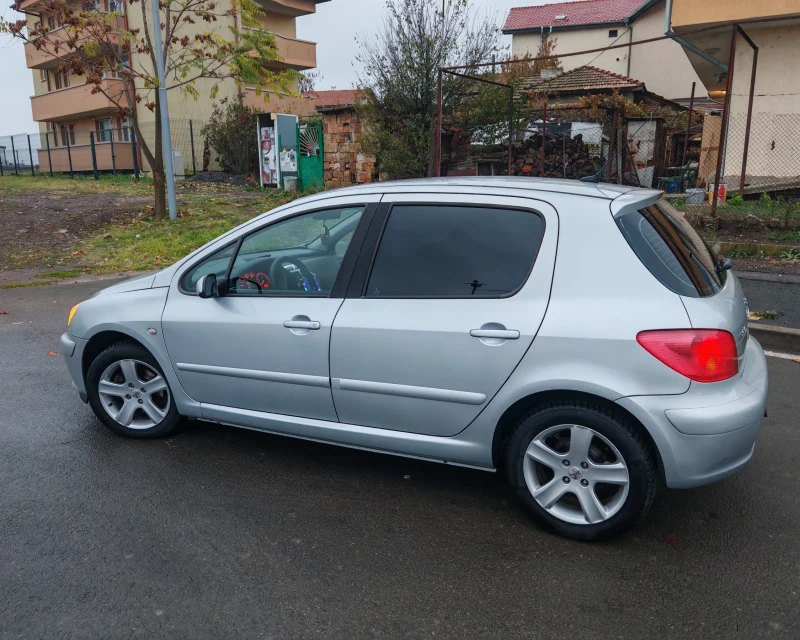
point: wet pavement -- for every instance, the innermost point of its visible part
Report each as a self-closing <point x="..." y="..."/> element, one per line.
<point x="218" y="532"/>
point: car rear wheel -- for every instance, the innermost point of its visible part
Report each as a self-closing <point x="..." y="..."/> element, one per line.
<point x="583" y="471"/>
<point x="129" y="394"/>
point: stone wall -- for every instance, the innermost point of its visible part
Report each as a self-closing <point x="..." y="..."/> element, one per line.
<point x="345" y="164"/>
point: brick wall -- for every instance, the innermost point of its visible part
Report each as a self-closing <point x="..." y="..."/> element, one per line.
<point x="345" y="164"/>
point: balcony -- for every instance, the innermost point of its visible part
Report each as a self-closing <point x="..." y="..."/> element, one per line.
<point x="291" y="7"/>
<point x="691" y="14"/>
<point x="293" y="105"/>
<point x="75" y="101"/>
<point x="296" y="54"/>
<point x="45" y="58"/>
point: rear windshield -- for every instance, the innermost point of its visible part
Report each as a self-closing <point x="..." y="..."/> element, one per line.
<point x="672" y="250"/>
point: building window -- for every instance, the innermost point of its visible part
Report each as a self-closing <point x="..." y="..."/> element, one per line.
<point x="613" y="33"/>
<point x="125" y="129"/>
<point x="104" y="130"/>
<point x="67" y="134"/>
<point x="61" y="80"/>
<point x="42" y="75"/>
<point x="52" y="134"/>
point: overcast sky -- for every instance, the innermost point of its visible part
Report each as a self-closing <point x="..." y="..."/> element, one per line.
<point x="334" y="28"/>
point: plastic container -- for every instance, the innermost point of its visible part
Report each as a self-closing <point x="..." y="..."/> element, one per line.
<point x="695" y="196"/>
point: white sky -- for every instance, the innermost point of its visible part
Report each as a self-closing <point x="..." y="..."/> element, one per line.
<point x="334" y="28"/>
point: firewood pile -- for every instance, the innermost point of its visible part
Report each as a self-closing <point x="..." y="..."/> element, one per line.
<point x="560" y="153"/>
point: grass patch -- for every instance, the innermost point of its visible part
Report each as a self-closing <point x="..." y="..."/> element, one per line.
<point x="66" y="273"/>
<point x="20" y="285"/>
<point x="763" y="315"/>
<point x="123" y="185"/>
<point x="792" y="236"/>
<point x="149" y="243"/>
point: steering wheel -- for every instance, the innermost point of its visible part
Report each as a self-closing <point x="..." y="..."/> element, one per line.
<point x="279" y="277"/>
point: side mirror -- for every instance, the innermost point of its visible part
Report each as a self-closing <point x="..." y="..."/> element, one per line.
<point x="207" y="286"/>
<point x="724" y="265"/>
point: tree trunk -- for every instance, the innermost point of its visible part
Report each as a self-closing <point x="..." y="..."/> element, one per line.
<point x="159" y="178"/>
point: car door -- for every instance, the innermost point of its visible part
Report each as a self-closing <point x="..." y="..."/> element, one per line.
<point x="449" y="303"/>
<point x="263" y="345"/>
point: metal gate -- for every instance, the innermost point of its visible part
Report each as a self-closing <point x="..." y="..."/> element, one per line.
<point x="311" y="152"/>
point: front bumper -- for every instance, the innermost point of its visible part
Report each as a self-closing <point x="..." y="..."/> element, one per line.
<point x="72" y="350"/>
<point x="709" y="432"/>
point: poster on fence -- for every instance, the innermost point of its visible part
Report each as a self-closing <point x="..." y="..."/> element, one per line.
<point x="268" y="156"/>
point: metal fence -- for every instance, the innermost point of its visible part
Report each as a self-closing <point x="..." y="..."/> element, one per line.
<point x="67" y="149"/>
<point x="759" y="174"/>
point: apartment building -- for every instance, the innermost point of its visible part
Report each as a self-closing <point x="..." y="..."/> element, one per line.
<point x="64" y="105"/>
<point x="596" y="24"/>
<point x="709" y="30"/>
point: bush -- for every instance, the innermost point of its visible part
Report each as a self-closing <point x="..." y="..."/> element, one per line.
<point x="230" y="132"/>
<point x="736" y="201"/>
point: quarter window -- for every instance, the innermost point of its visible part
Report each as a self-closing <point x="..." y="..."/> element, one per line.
<point x="431" y="251"/>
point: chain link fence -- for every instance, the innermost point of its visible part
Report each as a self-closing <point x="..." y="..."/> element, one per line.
<point x="69" y="149"/>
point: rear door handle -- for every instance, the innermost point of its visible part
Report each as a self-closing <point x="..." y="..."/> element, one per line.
<point x="301" y="324"/>
<point x="500" y="334"/>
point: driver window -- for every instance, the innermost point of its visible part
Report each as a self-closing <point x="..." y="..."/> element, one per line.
<point x="299" y="256"/>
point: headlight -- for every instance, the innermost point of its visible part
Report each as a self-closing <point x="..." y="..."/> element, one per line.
<point x="72" y="313"/>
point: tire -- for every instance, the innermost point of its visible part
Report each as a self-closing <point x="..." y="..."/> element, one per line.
<point x="117" y="385"/>
<point x="572" y="498"/>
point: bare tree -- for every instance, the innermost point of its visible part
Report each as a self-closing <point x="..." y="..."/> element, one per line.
<point x="401" y="64"/>
<point x="201" y="41"/>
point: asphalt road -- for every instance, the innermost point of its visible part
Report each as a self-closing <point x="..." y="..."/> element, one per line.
<point x="774" y="295"/>
<point x="218" y="532"/>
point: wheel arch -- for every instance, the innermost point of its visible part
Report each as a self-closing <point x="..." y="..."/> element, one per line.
<point x="102" y="341"/>
<point x="512" y="415"/>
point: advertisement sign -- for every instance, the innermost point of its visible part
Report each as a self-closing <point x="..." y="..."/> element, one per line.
<point x="268" y="156"/>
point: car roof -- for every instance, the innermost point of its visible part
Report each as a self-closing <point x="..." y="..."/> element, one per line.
<point x="602" y="190"/>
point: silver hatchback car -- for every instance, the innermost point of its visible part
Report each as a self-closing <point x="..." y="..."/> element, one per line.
<point x="581" y="337"/>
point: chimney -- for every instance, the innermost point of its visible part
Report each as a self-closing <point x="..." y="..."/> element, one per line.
<point x="549" y="74"/>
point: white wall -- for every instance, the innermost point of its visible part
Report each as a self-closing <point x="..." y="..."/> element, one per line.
<point x="571" y="40"/>
<point x="662" y="66"/>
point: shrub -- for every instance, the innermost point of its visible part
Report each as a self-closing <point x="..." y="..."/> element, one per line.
<point x="230" y="132"/>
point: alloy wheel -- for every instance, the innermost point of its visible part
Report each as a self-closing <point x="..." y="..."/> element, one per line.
<point x="134" y="394"/>
<point x="576" y="474"/>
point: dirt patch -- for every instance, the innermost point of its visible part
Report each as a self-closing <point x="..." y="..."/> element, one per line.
<point x="767" y="265"/>
<point x="39" y="228"/>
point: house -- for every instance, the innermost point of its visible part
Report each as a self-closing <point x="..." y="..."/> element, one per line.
<point x="595" y="24"/>
<point x="707" y="31"/>
<point x="64" y="105"/>
<point x="344" y="161"/>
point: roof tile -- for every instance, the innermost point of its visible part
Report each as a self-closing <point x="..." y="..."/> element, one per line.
<point x="582" y="79"/>
<point x="577" y="13"/>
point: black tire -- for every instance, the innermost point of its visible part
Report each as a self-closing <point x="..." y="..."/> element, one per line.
<point x="115" y="353"/>
<point x="625" y="436"/>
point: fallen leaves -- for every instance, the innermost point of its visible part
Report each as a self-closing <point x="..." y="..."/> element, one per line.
<point x="3" y="313"/>
<point x="53" y="353"/>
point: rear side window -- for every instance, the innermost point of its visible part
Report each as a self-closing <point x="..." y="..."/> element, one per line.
<point x="430" y="251"/>
<point x="672" y="250"/>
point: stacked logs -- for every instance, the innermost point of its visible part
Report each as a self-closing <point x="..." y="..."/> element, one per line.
<point x="561" y="154"/>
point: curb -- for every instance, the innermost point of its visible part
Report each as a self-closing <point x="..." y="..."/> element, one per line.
<point x="776" y="338"/>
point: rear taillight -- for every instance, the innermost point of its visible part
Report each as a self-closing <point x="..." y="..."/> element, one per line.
<point x="703" y="355"/>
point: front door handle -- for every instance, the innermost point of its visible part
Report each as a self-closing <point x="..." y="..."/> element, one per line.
<point x="499" y="334"/>
<point x="301" y="324"/>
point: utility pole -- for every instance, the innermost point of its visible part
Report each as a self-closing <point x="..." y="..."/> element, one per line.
<point x="166" y="137"/>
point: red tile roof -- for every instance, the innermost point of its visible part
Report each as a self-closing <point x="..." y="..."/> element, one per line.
<point x="582" y="79"/>
<point x="577" y="13"/>
<point x="336" y="98"/>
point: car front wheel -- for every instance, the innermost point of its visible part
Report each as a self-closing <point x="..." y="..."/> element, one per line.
<point x="583" y="471"/>
<point x="129" y="394"/>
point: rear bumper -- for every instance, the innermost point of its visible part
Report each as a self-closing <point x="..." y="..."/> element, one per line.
<point x="708" y="433"/>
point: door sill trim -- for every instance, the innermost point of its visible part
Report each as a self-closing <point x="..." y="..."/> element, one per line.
<point x="445" y="450"/>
